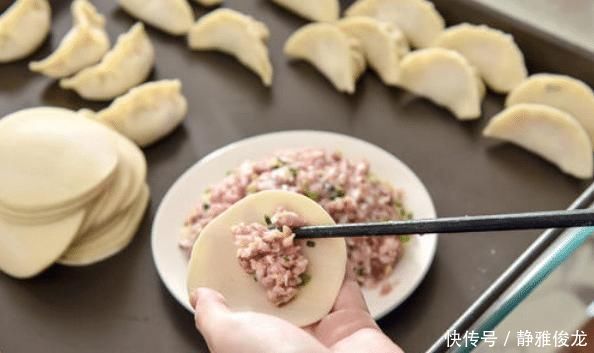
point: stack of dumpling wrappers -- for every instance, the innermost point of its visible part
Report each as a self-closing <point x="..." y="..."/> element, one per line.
<point x="73" y="190"/>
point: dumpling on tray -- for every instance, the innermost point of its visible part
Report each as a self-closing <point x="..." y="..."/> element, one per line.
<point x="335" y="54"/>
<point x="302" y="295"/>
<point x="314" y="10"/>
<point x="84" y="45"/>
<point x="23" y="27"/>
<point x="446" y="78"/>
<point x="492" y="52"/>
<point x="128" y="64"/>
<point x="418" y="19"/>
<point x="548" y="132"/>
<point x="236" y="34"/>
<point x="172" y="16"/>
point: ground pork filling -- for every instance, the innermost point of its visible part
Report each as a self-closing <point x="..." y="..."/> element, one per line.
<point x="347" y="190"/>
<point x="268" y="252"/>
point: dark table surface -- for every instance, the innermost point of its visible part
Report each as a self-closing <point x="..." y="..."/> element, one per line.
<point x="120" y="304"/>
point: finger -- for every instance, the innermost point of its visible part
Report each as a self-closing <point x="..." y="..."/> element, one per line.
<point x="350" y="297"/>
<point x="210" y="308"/>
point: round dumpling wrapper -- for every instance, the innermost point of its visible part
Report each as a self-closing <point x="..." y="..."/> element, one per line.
<point x="26" y="250"/>
<point x="214" y="262"/>
<point x="55" y="158"/>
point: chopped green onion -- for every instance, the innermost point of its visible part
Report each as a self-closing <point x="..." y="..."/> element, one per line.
<point x="360" y="271"/>
<point x="305" y="278"/>
<point x="312" y="195"/>
<point x="293" y="172"/>
<point x="310" y="243"/>
<point x="267" y="220"/>
<point x="405" y="238"/>
<point x="205" y="206"/>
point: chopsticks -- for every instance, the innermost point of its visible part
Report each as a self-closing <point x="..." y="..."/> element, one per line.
<point x="488" y="223"/>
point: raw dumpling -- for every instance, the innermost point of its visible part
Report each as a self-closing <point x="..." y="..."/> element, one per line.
<point x="128" y="64"/>
<point x="558" y="91"/>
<point x="315" y="10"/>
<point x="551" y="133"/>
<point x="446" y="78"/>
<point x="236" y="34"/>
<point x="209" y="2"/>
<point x="493" y="53"/>
<point x="23" y="27"/>
<point x="215" y="249"/>
<point x="148" y="112"/>
<point x="172" y="16"/>
<point x="84" y="45"/>
<point x="336" y="55"/>
<point x="418" y="19"/>
<point x="382" y="42"/>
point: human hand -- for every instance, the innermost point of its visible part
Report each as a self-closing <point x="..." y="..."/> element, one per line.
<point x="347" y="328"/>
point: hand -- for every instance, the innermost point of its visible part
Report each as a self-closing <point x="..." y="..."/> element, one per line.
<point x="347" y="328"/>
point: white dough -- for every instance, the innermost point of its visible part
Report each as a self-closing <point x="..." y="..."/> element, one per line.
<point x="110" y="239"/>
<point x="314" y="10"/>
<point x="23" y="27"/>
<point x="172" y="16"/>
<point x="128" y="64"/>
<point x="51" y="158"/>
<point x="446" y="78"/>
<point x="214" y="263"/>
<point x="492" y="52"/>
<point x="148" y="112"/>
<point x="336" y="55"/>
<point x="84" y="45"/>
<point x="26" y="249"/>
<point x="382" y="42"/>
<point x="236" y="34"/>
<point x="418" y="19"/>
<point x="548" y="132"/>
<point x="558" y="91"/>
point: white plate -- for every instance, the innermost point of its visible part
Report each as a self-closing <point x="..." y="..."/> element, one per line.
<point x="185" y="194"/>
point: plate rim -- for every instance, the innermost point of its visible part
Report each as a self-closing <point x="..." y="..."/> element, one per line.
<point x="223" y="149"/>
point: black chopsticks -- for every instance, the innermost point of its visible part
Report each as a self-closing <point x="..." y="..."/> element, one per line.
<point x="501" y="222"/>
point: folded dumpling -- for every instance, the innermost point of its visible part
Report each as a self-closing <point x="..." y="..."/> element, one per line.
<point x="383" y="45"/>
<point x="418" y="19"/>
<point x="146" y="113"/>
<point x="85" y="44"/>
<point x="128" y="64"/>
<point x="172" y="16"/>
<point x="492" y="52"/>
<point x="236" y="34"/>
<point x="23" y="27"/>
<point x="335" y="54"/>
<point x="446" y="78"/>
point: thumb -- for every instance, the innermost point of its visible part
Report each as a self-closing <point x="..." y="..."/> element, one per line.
<point x="209" y="309"/>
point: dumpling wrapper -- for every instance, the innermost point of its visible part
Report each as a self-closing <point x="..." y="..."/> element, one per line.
<point x="84" y="45"/>
<point x="446" y="78"/>
<point x="548" y="132"/>
<point x="383" y="45"/>
<point x="214" y="263"/>
<point x="109" y="239"/>
<point x="209" y="2"/>
<point x="45" y="149"/>
<point x="492" y="52"/>
<point x="23" y="28"/>
<point x="236" y="34"/>
<point x="558" y="91"/>
<point x="314" y="10"/>
<point x="418" y="19"/>
<point x="121" y="193"/>
<point x="146" y="113"/>
<point x="127" y="65"/>
<point x="336" y="55"/>
<point x="28" y="249"/>
<point x="172" y="16"/>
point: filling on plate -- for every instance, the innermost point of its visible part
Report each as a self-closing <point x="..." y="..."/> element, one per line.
<point x="269" y="253"/>
<point x="346" y="189"/>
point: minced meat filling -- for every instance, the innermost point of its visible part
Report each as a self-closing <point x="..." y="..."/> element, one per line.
<point x="269" y="253"/>
<point x="347" y="190"/>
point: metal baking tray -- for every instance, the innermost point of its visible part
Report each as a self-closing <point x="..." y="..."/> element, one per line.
<point x="121" y="305"/>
